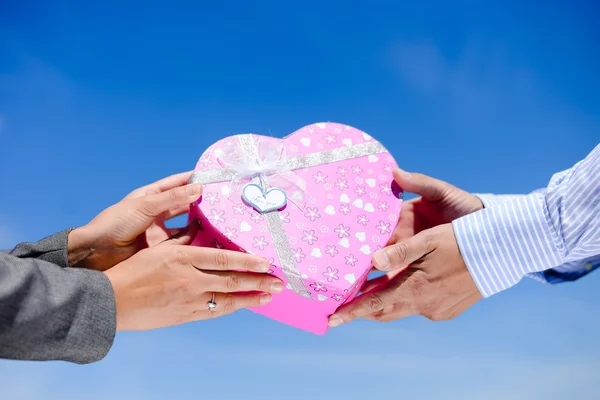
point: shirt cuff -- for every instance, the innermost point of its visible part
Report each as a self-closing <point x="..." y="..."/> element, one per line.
<point x="491" y="200"/>
<point x="502" y="244"/>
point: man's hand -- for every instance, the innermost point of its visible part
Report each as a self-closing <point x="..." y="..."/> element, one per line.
<point x="429" y="278"/>
<point x="135" y="223"/>
<point x="440" y="203"/>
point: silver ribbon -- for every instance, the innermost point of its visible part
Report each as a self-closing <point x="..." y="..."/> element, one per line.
<point x="292" y="163"/>
<point x="274" y="223"/>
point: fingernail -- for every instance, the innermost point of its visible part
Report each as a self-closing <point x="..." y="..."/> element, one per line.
<point x="194" y="189"/>
<point x="381" y="259"/>
<point x="277" y="287"/>
<point x="335" y="321"/>
<point x="404" y="173"/>
<point x="265" y="298"/>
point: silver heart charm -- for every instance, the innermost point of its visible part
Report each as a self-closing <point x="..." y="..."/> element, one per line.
<point x="273" y="199"/>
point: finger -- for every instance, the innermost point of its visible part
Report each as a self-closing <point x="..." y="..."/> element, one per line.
<point x="425" y="186"/>
<point x="204" y="258"/>
<point x="367" y="304"/>
<point x="158" y="232"/>
<point x="185" y="235"/>
<point x="226" y="303"/>
<point x="162" y="185"/>
<point x="155" y="234"/>
<point x="153" y="205"/>
<point x="405" y="252"/>
<point x="172" y="181"/>
<point x="375" y="316"/>
<point x="376" y="282"/>
<point x="176" y="211"/>
<point x="407" y="226"/>
<point x="228" y="282"/>
<point x="391" y="313"/>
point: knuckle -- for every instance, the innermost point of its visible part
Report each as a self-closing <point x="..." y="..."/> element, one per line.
<point x="446" y="190"/>
<point x="232" y="282"/>
<point x="177" y="256"/>
<point x="417" y="285"/>
<point x="147" y="207"/>
<point x="417" y="176"/>
<point x="254" y="301"/>
<point x="247" y="265"/>
<point x="439" y="317"/>
<point x="443" y="314"/>
<point x="400" y="251"/>
<point x="354" y="314"/>
<point x="429" y="241"/>
<point x="432" y="317"/>
<point x="430" y="312"/>
<point x="221" y="260"/>
<point x="212" y="314"/>
<point x="385" y="318"/>
<point x="175" y="194"/>
<point x="262" y="284"/>
<point x="181" y="291"/>
<point x="375" y="303"/>
<point x="381" y="316"/>
<point x="229" y="303"/>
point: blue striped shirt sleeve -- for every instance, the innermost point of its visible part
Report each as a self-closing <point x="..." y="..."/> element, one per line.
<point x="549" y="233"/>
<point x="491" y="200"/>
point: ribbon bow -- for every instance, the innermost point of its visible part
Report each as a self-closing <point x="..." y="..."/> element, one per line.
<point x="253" y="159"/>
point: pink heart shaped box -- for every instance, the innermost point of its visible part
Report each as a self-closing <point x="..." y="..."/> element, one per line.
<point x="351" y="209"/>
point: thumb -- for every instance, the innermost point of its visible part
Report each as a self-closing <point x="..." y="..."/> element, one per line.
<point x="425" y="186"/>
<point x="153" y="205"/>
<point x="404" y="253"/>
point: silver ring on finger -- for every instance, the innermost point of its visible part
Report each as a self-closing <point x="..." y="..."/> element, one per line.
<point x="211" y="305"/>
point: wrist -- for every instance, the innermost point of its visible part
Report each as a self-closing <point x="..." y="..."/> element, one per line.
<point x="113" y="277"/>
<point x="502" y="244"/>
<point x="79" y="247"/>
<point x="492" y="200"/>
<point x="478" y="203"/>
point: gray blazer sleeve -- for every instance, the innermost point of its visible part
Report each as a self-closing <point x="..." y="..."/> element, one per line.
<point x="52" y="249"/>
<point x="53" y="313"/>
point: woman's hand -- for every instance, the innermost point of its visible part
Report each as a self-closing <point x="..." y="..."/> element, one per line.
<point x="172" y="283"/>
<point x="135" y="223"/>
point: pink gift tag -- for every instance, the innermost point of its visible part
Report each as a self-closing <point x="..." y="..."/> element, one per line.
<point x="317" y="203"/>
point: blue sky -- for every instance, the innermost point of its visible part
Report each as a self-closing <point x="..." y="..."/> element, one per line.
<point x="98" y="98"/>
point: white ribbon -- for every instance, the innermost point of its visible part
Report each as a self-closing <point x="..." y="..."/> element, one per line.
<point x="250" y="157"/>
